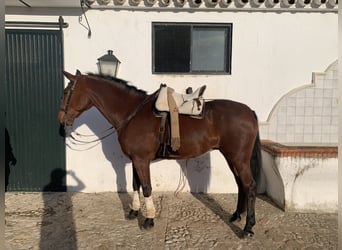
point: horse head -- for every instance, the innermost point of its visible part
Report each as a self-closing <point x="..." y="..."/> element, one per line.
<point x="74" y="101"/>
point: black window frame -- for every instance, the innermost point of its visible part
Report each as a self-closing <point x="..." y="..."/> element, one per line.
<point x="192" y="26"/>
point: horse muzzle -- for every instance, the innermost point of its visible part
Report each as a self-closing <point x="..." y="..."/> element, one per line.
<point x="65" y="119"/>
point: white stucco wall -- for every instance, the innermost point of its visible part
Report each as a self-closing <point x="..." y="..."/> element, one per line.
<point x="299" y="183"/>
<point x="272" y="54"/>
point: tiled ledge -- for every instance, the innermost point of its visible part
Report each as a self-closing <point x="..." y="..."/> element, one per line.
<point x="280" y="150"/>
<point x="222" y="5"/>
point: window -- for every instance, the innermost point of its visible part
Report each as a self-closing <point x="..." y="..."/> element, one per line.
<point x="192" y="48"/>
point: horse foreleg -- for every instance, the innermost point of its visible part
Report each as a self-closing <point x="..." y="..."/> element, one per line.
<point x="142" y="169"/>
<point x="150" y="212"/>
<point x="133" y="213"/>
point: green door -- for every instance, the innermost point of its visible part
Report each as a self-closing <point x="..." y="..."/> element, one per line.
<point x="34" y="85"/>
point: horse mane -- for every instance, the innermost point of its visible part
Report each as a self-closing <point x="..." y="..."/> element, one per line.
<point x="119" y="81"/>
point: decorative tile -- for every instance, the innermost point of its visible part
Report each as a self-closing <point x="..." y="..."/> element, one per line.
<point x="309" y="115"/>
<point x="290" y="120"/>
<point x="317" y="129"/>
<point x="290" y="111"/>
<point x="290" y="128"/>
<point x="326" y="120"/>
<point x="318" y="102"/>
<point x="318" y="111"/>
<point x="299" y="138"/>
<point x="308" y="129"/>
<point x="326" y="138"/>
<point x="307" y="138"/>
<point x="308" y="120"/>
<point x="327" y="102"/>
<point x="299" y="111"/>
<point x="290" y="137"/>
<point x="308" y="111"/>
<point x="334" y="120"/>
<point x="299" y="120"/>
<point x="299" y="129"/>
<point x="328" y="84"/>
<point x="317" y="120"/>
<point x="328" y="93"/>
<point x="291" y="101"/>
<point x="326" y="111"/>
<point x="310" y="92"/>
<point x="333" y="138"/>
<point x="300" y="102"/>
<point x="318" y="92"/>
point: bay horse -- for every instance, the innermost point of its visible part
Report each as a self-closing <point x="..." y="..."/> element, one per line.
<point x="227" y="126"/>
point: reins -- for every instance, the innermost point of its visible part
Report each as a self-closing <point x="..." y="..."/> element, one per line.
<point x="131" y="116"/>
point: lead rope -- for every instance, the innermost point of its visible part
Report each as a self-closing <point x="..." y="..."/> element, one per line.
<point x="183" y="174"/>
<point x="95" y="140"/>
<point x="78" y="142"/>
<point x="84" y="135"/>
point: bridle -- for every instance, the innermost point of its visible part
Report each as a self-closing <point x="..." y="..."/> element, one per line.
<point x="65" y="109"/>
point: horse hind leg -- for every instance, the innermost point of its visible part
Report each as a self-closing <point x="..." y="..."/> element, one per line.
<point x="249" y="189"/>
<point x="250" y="219"/>
<point x="246" y="196"/>
<point x="242" y="202"/>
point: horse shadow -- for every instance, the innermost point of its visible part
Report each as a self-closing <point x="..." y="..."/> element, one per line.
<point x="111" y="148"/>
<point x="198" y="175"/>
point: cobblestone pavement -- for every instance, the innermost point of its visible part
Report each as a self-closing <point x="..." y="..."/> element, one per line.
<point x="97" y="221"/>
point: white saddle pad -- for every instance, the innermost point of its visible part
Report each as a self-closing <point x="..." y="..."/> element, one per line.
<point x="189" y="104"/>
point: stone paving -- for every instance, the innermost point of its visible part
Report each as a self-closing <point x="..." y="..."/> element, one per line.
<point x="186" y="221"/>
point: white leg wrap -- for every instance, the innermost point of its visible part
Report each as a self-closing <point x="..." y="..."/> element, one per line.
<point x="136" y="201"/>
<point x="150" y="210"/>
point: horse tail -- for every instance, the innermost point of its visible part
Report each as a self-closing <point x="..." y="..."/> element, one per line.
<point x="256" y="160"/>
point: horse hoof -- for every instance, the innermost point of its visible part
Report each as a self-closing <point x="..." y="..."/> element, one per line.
<point x="235" y="216"/>
<point x="133" y="214"/>
<point x="248" y="234"/>
<point x="148" y="224"/>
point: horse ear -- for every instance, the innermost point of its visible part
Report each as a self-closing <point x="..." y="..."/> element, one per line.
<point x="69" y="76"/>
<point x="78" y="73"/>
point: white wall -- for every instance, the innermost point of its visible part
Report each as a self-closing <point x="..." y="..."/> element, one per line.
<point x="301" y="183"/>
<point x="272" y="54"/>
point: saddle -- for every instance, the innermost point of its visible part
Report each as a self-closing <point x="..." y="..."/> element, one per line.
<point x="188" y="104"/>
<point x="172" y="103"/>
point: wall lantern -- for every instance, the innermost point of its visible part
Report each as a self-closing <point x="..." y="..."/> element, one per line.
<point x="108" y="64"/>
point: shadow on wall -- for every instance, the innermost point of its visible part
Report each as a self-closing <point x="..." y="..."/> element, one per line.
<point x="197" y="172"/>
<point x="110" y="145"/>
